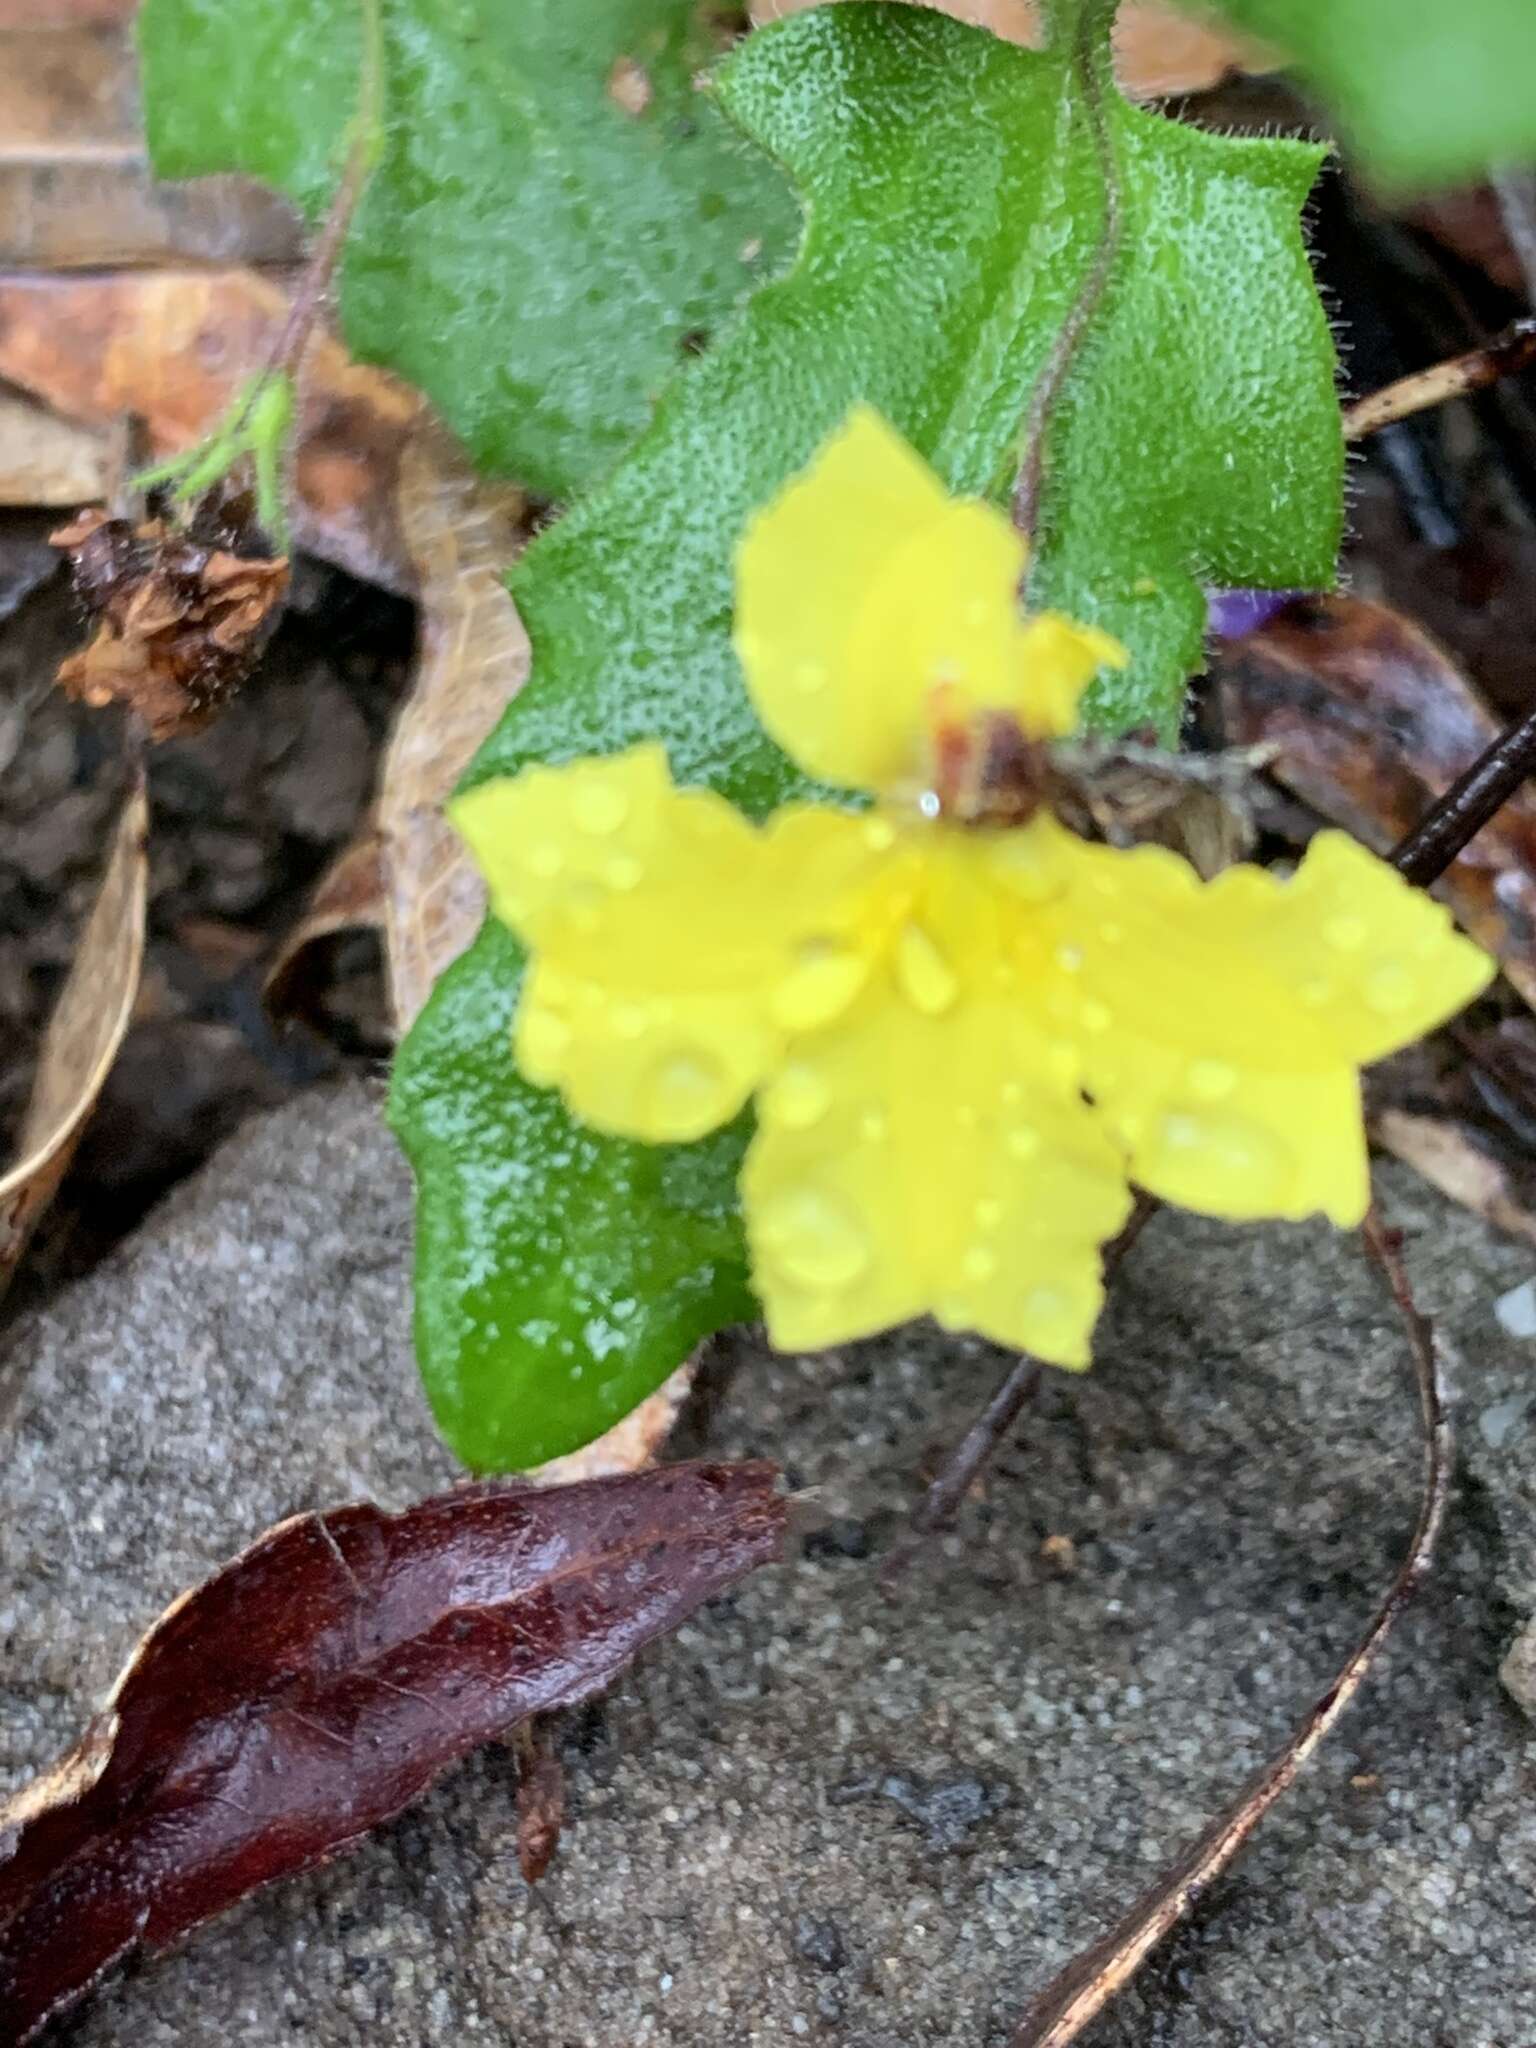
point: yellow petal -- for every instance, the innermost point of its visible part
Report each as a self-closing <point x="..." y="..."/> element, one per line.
<point x="1221" y="1025"/>
<point x="861" y="587"/>
<point x="665" y="929"/>
<point x="1056" y="661"/>
<point x="918" y="1159"/>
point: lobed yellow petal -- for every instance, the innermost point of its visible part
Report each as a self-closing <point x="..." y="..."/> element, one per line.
<point x="665" y="930"/>
<point x="918" y="1157"/>
<point x="1220" y="1026"/>
<point x="870" y="603"/>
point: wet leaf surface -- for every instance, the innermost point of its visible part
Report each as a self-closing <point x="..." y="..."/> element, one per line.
<point x="323" y="1679"/>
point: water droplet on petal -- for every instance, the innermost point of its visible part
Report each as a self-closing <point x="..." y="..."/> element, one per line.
<point x="1013" y="1093"/>
<point x="1069" y="958"/>
<point x="1210" y="1080"/>
<point x="798" y="1098"/>
<point x="1316" y="992"/>
<point x="1110" y="932"/>
<point x="976" y="611"/>
<point x="623" y="872"/>
<point x="686" y="1094"/>
<point x="821" y="984"/>
<point x="630" y="1019"/>
<point x="924" y="976"/>
<point x="1051" y="1320"/>
<point x="1233" y="1159"/>
<point x="979" y="1263"/>
<point x="545" y="859"/>
<point x="1346" y="934"/>
<point x="599" y="806"/>
<point x="879" y="834"/>
<point x="814" y="1238"/>
<point x="584" y="906"/>
<point x="1023" y="1141"/>
<point x="873" y="1125"/>
<point x="1096" y="1016"/>
<point x="989" y="1212"/>
<point x="1390" y="988"/>
<point x="810" y="676"/>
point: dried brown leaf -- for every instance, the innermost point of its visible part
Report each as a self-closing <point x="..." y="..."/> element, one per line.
<point x="182" y="613"/>
<point x="1369" y="720"/>
<point x="1158" y="49"/>
<point x="472" y="657"/>
<point x="174" y="348"/>
<point x="1462" y="1163"/>
<point x="348" y="897"/>
<point x="320" y="1683"/>
<point x="83" y="1035"/>
<point x="45" y="460"/>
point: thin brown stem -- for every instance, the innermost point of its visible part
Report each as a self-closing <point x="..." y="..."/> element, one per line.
<point x="1017" y="1388"/>
<point x="1456" y="818"/>
<point x="1086" y="1985"/>
<point x="363" y="148"/>
<point x="1507" y="354"/>
<point x="1085" y="74"/>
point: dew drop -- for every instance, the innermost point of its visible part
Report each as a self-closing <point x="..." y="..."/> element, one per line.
<point x="814" y="1239"/>
<point x="810" y="676"/>
<point x="585" y="905"/>
<point x="1096" y="1016"/>
<point x="975" y="611"/>
<point x="1069" y="958"/>
<point x="1023" y="1141"/>
<point x="1110" y="932"/>
<point x="630" y="1019"/>
<point x="1389" y="988"/>
<point x="623" y="872"/>
<point x="979" y="1263"/>
<point x="599" y="806"/>
<point x="1013" y="1093"/>
<point x="1231" y="1159"/>
<point x="545" y="859"/>
<point x="1210" y="1080"/>
<point x="1345" y="934"/>
<point x="879" y="834"/>
<point x="924" y="976"/>
<point x="820" y="985"/>
<point x="988" y="1213"/>
<point x="686" y="1094"/>
<point x="1049" y="1318"/>
<point x="873" y="1126"/>
<point x="798" y="1098"/>
<point x="1315" y="993"/>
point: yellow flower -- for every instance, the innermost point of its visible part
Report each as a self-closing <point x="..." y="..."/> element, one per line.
<point x="965" y="1038"/>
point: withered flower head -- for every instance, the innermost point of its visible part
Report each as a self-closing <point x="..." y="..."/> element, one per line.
<point x="182" y="612"/>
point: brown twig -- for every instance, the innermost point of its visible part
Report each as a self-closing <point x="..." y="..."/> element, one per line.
<point x="1086" y="1985"/>
<point x="1466" y="807"/>
<point x="1085" y="71"/>
<point x="1512" y="351"/>
<point x="1015" y="1391"/>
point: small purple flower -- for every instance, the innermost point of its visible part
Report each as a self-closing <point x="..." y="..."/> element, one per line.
<point x="1234" y="614"/>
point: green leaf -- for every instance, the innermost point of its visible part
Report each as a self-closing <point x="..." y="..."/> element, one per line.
<point x="532" y="255"/>
<point x="952" y="211"/>
<point x="1428" y="90"/>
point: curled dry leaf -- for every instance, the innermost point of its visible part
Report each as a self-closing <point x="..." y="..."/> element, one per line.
<point x="1369" y="720"/>
<point x="1158" y="49"/>
<point x="320" y="1683"/>
<point x="83" y="1035"/>
<point x="182" y="612"/>
<point x="175" y="347"/>
<point x="348" y="897"/>
<point x="45" y="460"/>
<point x="472" y="656"/>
